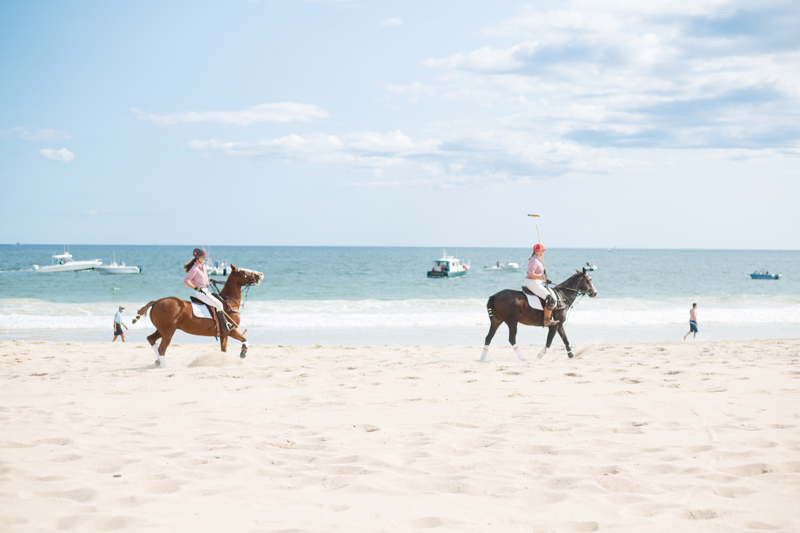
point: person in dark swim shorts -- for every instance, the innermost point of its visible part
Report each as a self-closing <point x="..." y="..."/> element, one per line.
<point x="118" y="325"/>
<point x="692" y="322"/>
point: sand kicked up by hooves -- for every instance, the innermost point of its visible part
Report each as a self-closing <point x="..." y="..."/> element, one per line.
<point x="692" y="436"/>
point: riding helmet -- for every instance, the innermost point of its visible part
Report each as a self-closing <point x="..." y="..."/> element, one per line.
<point x="200" y="252"/>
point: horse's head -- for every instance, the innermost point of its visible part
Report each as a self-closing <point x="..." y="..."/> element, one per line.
<point x="585" y="284"/>
<point x="244" y="277"/>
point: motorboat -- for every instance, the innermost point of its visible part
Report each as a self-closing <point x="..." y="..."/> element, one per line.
<point x="500" y="266"/>
<point x="448" y="267"/>
<point x="590" y="266"/>
<point x="65" y="263"/>
<point x="217" y="268"/>
<point x="764" y="274"/>
<point x="120" y="268"/>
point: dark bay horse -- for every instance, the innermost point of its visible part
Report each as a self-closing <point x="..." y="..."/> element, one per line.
<point x="512" y="308"/>
<point x="171" y="314"/>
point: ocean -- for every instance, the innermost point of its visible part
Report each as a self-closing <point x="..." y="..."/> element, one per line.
<point x="377" y="296"/>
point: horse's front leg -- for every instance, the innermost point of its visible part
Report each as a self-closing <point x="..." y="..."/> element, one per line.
<point x="550" y="334"/>
<point x="223" y="343"/>
<point x="239" y="337"/>
<point x="566" y="342"/>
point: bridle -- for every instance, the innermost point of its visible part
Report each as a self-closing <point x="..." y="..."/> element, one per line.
<point x="578" y="292"/>
<point x="249" y="279"/>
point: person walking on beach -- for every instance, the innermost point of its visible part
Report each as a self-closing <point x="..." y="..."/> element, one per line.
<point x="197" y="279"/>
<point x="692" y="322"/>
<point x="118" y="325"/>
<point x="535" y="279"/>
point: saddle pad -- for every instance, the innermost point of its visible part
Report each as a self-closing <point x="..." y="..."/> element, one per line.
<point x="533" y="301"/>
<point x="201" y="311"/>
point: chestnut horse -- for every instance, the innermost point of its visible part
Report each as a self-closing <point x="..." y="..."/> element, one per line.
<point x="171" y="314"/>
<point x="512" y="308"/>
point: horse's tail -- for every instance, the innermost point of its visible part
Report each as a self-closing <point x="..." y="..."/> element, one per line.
<point x="490" y="306"/>
<point x="143" y="311"/>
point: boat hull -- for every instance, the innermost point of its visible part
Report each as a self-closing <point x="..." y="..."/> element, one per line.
<point x="765" y="276"/>
<point x="69" y="267"/>
<point x="436" y="274"/>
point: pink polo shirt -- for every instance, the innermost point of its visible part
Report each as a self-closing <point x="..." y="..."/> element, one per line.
<point x="535" y="266"/>
<point x="197" y="275"/>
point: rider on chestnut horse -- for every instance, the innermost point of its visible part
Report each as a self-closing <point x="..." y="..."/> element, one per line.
<point x="197" y="279"/>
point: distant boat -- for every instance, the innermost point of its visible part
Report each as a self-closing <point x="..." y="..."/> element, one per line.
<point x="448" y="267"/>
<point x="590" y="266"/>
<point x="64" y="263"/>
<point x="115" y="268"/>
<point x="499" y="266"/>
<point x="764" y="274"/>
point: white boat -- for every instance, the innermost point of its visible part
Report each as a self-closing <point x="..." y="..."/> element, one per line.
<point x="448" y="267"/>
<point x="499" y="266"/>
<point x="115" y="268"/>
<point x="217" y="268"/>
<point x="64" y="263"/>
<point x="590" y="266"/>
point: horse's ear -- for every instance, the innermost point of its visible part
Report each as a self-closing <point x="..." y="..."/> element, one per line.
<point x="233" y="268"/>
<point x="584" y="270"/>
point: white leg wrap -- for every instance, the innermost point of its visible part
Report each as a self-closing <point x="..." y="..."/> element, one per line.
<point x="155" y="348"/>
<point x="518" y="352"/>
<point x="163" y="361"/>
<point x="542" y="353"/>
<point x="484" y="353"/>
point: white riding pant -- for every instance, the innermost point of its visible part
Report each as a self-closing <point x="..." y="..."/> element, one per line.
<point x="206" y="297"/>
<point x="538" y="288"/>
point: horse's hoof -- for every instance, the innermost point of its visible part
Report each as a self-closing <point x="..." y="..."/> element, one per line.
<point x="541" y="354"/>
<point x="242" y="354"/>
<point x="570" y="355"/>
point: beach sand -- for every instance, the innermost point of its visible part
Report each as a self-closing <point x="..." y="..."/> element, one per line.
<point x="682" y="436"/>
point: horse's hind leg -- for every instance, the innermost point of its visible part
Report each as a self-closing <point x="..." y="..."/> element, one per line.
<point x="492" y="330"/>
<point x="512" y="337"/>
<point x="152" y="340"/>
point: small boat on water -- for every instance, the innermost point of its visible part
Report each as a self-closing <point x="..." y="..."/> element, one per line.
<point x="120" y="268"/>
<point x="448" y="267"/>
<point x="500" y="266"/>
<point x="217" y="268"/>
<point x="590" y="266"/>
<point x="65" y="263"/>
<point x="764" y="274"/>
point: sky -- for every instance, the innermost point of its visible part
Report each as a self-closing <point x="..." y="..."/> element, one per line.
<point x="629" y="124"/>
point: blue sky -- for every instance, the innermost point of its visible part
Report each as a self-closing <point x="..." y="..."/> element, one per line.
<point x="288" y="122"/>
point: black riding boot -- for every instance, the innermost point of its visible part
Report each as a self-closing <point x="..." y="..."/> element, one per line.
<point x="224" y="327"/>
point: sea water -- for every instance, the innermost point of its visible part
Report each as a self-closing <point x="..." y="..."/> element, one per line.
<point x="377" y="296"/>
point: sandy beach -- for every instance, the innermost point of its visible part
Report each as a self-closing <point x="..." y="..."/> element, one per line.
<point x="693" y="436"/>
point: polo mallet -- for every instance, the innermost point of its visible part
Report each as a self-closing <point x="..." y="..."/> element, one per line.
<point x="537" y="234"/>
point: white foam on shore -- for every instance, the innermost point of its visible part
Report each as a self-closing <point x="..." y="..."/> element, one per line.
<point x="27" y="314"/>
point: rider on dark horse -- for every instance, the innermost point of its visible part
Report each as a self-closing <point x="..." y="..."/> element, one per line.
<point x="535" y="282"/>
<point x="197" y="279"/>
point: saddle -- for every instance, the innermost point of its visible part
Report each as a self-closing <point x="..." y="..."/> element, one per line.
<point x="550" y="301"/>
<point x="213" y="310"/>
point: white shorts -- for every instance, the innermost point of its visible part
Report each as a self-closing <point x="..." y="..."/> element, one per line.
<point x="538" y="288"/>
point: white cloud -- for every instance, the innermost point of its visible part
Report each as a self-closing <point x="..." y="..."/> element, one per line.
<point x="34" y="134"/>
<point x="277" y="112"/>
<point x="63" y="155"/>
<point x="658" y="73"/>
<point x="392" y="22"/>
<point x="458" y="154"/>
